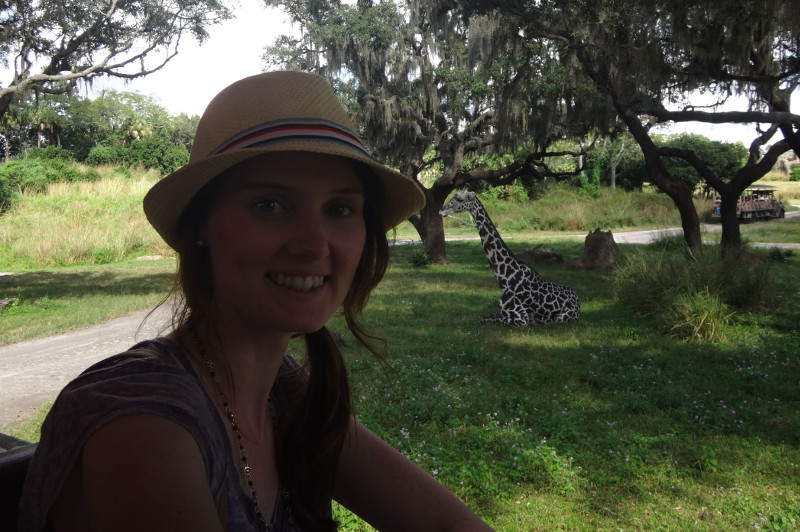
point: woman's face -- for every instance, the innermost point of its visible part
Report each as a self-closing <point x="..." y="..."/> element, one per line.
<point x="285" y="233"/>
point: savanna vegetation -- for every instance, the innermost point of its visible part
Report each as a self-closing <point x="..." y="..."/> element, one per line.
<point x="671" y="404"/>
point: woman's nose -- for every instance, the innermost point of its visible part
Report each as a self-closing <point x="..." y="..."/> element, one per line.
<point x="309" y="238"/>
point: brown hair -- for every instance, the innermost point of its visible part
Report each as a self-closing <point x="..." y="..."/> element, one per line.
<point x="315" y="420"/>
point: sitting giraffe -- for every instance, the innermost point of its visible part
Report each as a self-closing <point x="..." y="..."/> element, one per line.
<point x="528" y="299"/>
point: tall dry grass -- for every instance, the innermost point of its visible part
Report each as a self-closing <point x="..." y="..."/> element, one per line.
<point x="786" y="190"/>
<point x="562" y="208"/>
<point x="80" y="223"/>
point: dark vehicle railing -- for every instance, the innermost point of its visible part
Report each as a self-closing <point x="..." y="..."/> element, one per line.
<point x="15" y="455"/>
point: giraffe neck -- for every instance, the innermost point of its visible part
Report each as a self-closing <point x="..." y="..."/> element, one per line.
<point x="495" y="248"/>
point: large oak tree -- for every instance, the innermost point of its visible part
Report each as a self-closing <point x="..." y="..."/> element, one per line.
<point x="425" y="102"/>
<point x="653" y="59"/>
<point x="49" y="45"/>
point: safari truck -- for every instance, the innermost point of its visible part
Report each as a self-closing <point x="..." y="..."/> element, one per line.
<point x="757" y="202"/>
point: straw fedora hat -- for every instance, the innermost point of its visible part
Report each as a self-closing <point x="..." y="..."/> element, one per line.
<point x="265" y="113"/>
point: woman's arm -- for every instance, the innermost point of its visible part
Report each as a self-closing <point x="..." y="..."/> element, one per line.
<point x="139" y="472"/>
<point x="391" y="493"/>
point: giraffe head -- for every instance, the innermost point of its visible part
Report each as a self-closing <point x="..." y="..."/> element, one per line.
<point x="462" y="201"/>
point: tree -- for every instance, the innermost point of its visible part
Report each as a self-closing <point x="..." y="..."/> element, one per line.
<point x="181" y="130"/>
<point x="723" y="158"/>
<point x="652" y="58"/>
<point x="52" y="44"/>
<point x="425" y="103"/>
<point x="112" y="116"/>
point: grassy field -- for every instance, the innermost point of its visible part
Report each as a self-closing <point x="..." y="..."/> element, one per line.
<point x="55" y="300"/>
<point x="605" y="423"/>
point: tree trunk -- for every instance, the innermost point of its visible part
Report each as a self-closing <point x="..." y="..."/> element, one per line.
<point x="600" y="252"/>
<point x="434" y="242"/>
<point x="690" y="223"/>
<point x="430" y="224"/>
<point x="731" y="240"/>
<point x="679" y="191"/>
<point x="434" y="223"/>
<point x="613" y="175"/>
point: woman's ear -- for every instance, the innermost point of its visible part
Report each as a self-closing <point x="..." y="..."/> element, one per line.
<point x="201" y="241"/>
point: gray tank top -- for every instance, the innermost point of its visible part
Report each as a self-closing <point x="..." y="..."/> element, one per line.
<point x="153" y="377"/>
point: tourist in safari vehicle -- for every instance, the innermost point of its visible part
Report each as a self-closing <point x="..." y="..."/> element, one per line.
<point x="279" y="220"/>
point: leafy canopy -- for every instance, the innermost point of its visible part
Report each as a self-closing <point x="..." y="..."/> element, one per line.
<point x="49" y="45"/>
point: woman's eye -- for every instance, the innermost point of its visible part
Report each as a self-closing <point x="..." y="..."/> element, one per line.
<point x="269" y="206"/>
<point x="340" y="210"/>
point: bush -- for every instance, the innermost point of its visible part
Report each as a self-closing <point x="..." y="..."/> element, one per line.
<point x="33" y="174"/>
<point x="693" y="298"/>
<point x="157" y="153"/>
<point x="794" y="175"/>
<point x="419" y="258"/>
<point x="124" y="171"/>
<point x="6" y="195"/>
<point x="153" y="152"/>
<point x="106" y="155"/>
<point x="699" y="315"/>
<point x="52" y="153"/>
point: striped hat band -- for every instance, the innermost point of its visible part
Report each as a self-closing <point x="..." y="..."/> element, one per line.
<point x="291" y="129"/>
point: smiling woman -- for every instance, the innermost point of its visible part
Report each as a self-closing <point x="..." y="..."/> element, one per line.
<point x="279" y="219"/>
<point x="284" y="245"/>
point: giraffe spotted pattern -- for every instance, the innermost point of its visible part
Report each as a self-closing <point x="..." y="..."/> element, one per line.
<point x="528" y="298"/>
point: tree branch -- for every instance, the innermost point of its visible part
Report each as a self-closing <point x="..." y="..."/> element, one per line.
<point x="724" y="117"/>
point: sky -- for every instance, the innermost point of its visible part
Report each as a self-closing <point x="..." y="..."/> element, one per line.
<point x="192" y="78"/>
<point x="233" y="51"/>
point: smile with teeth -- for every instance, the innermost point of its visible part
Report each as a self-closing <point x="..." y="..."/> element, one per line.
<point x="300" y="283"/>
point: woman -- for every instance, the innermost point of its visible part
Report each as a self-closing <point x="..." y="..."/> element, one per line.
<point x="279" y="219"/>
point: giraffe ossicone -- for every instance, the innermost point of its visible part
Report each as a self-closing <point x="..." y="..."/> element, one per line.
<point x="528" y="298"/>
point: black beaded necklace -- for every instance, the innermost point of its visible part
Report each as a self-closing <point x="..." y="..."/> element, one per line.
<point x="226" y="406"/>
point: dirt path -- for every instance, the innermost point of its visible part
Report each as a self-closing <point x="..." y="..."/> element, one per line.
<point x="34" y="371"/>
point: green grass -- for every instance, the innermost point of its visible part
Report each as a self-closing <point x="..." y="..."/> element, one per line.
<point x="599" y="424"/>
<point x="604" y="423"/>
<point x="30" y="429"/>
<point x="786" y="231"/>
<point x="56" y="300"/>
<point x="563" y="211"/>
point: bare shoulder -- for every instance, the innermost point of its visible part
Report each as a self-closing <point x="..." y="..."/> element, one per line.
<point x="138" y="472"/>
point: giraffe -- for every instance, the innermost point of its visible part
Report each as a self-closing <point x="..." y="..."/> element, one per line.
<point x="528" y="298"/>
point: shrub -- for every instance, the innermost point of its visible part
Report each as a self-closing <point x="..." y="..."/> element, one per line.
<point x="515" y="192"/>
<point x="419" y="258"/>
<point x="6" y="195"/>
<point x="780" y="255"/>
<point x="157" y="153"/>
<point x="692" y="297"/>
<point x="34" y="174"/>
<point x="794" y="175"/>
<point x="106" y="155"/>
<point x="124" y="171"/>
<point x="53" y="153"/>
